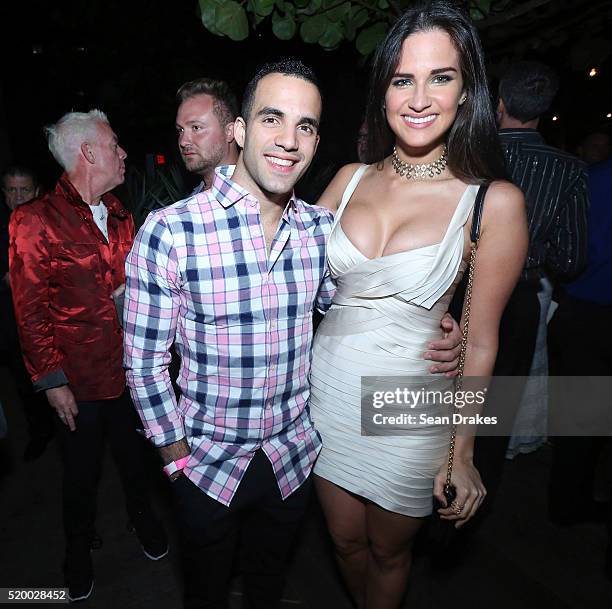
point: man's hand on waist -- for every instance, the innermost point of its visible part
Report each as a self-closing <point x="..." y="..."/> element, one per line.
<point x="446" y="350"/>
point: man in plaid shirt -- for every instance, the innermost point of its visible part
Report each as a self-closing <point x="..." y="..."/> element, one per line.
<point x="231" y="275"/>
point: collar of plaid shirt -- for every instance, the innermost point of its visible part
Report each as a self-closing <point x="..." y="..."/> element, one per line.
<point x="228" y="192"/>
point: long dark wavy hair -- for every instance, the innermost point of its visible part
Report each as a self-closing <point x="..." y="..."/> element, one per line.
<point x="474" y="152"/>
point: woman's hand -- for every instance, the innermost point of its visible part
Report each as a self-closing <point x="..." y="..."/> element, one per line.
<point x="469" y="489"/>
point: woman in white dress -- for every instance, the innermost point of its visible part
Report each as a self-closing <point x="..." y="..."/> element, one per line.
<point x="398" y="248"/>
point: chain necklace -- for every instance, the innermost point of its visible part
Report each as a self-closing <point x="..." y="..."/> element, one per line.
<point x="419" y="172"/>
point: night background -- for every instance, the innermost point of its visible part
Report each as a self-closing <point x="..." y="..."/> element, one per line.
<point x="129" y="57"/>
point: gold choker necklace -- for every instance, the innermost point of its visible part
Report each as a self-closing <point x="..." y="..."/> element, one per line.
<point x="419" y="172"/>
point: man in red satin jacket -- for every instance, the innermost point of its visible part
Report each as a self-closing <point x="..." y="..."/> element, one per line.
<point x="66" y="254"/>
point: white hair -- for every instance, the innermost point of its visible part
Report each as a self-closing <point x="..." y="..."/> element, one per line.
<point x="65" y="137"/>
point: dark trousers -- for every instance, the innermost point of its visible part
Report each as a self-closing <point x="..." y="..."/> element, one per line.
<point x="257" y="520"/>
<point x="579" y="339"/>
<point x="517" y="338"/>
<point x="83" y="451"/>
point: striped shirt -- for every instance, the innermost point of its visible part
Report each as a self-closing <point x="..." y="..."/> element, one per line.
<point x="199" y="275"/>
<point x="555" y="186"/>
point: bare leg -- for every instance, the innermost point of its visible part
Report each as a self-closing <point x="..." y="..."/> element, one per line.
<point x="346" y="520"/>
<point x="391" y="537"/>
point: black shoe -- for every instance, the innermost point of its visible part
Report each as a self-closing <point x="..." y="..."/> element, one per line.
<point x="151" y="535"/>
<point x="35" y="447"/>
<point x="80" y="590"/>
<point x="78" y="571"/>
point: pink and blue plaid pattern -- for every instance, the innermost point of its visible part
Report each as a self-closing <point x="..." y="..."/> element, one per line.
<point x="199" y="275"/>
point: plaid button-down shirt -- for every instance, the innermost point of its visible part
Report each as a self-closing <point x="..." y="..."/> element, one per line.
<point x="199" y="275"/>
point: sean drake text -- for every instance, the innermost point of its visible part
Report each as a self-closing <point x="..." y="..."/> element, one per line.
<point x="423" y="419"/>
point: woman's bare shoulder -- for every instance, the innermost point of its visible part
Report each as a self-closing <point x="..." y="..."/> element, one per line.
<point x="332" y="195"/>
<point x="505" y="197"/>
<point x="504" y="205"/>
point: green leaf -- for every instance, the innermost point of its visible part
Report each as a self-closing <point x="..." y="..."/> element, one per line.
<point x="262" y="7"/>
<point x="359" y="16"/>
<point x="334" y="33"/>
<point x="209" y="17"/>
<point x="283" y="27"/>
<point x="349" y="30"/>
<point x="369" y="38"/>
<point x="312" y="7"/>
<point x="302" y="3"/>
<point x="476" y="15"/>
<point x="232" y="20"/>
<point x="339" y="12"/>
<point x="313" y="28"/>
<point x="383" y="4"/>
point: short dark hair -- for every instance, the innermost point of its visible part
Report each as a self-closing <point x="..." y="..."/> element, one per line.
<point x="287" y="67"/>
<point x="527" y="89"/>
<point x="225" y="104"/>
<point x="17" y="170"/>
<point x="474" y="153"/>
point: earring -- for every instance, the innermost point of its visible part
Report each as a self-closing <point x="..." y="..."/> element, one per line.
<point x="463" y="98"/>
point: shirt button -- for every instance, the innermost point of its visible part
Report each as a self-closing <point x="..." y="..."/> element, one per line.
<point x="273" y="325"/>
<point x="268" y="404"/>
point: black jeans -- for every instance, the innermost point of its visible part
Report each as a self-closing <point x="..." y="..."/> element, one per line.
<point x="83" y="451"/>
<point x="257" y="520"/>
<point x="579" y="338"/>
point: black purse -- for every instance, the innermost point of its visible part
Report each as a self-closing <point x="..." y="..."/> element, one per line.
<point x="442" y="532"/>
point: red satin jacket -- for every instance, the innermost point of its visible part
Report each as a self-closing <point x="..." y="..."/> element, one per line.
<point x="62" y="273"/>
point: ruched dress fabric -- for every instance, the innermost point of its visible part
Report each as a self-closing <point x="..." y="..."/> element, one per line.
<point x="384" y="313"/>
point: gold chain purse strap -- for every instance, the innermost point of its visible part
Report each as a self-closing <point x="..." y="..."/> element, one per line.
<point x="474" y="237"/>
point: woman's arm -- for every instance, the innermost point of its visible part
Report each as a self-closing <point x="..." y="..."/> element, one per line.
<point x="499" y="260"/>
<point x="332" y="195"/>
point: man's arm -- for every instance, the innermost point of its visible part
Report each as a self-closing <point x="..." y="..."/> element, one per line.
<point x="150" y="314"/>
<point x="325" y="294"/>
<point x="30" y="267"/>
<point x="567" y="250"/>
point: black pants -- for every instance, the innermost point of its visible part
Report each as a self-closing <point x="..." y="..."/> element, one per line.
<point x="82" y="452"/>
<point x="257" y="520"/>
<point x="579" y="339"/>
<point x="517" y="338"/>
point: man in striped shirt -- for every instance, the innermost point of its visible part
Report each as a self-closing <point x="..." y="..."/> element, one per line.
<point x="232" y="276"/>
<point x="555" y="187"/>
